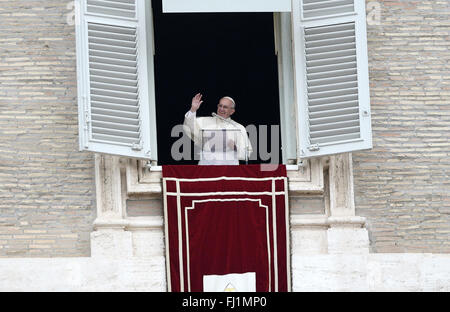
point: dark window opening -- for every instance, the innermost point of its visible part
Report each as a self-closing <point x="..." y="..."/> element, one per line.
<point x="216" y="54"/>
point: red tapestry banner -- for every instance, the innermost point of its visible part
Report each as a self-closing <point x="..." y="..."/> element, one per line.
<point x="226" y="228"/>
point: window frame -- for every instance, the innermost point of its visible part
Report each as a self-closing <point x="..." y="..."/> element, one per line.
<point x="283" y="48"/>
<point x="197" y="6"/>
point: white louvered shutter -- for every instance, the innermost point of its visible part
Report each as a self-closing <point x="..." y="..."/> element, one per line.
<point x="332" y="81"/>
<point x="113" y="84"/>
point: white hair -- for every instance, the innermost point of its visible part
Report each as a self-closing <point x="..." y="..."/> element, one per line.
<point x="232" y="101"/>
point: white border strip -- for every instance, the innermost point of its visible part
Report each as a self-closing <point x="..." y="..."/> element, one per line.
<point x="226" y="193"/>
<point x="288" y="241"/>
<point x="166" y="232"/>
<point x="274" y="229"/>
<point x="188" y="260"/>
<point x="225" y="200"/>
<point x="223" y="178"/>
<point x="180" y="237"/>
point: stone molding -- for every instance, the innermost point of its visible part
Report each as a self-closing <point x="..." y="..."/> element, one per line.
<point x="307" y="179"/>
<point x="119" y="178"/>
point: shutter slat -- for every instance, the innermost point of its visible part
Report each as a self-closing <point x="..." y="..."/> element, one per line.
<point x="342" y="138"/>
<point x="332" y="80"/>
<point x="332" y="73"/>
<point x="113" y="68"/>
<point x="118" y="94"/>
<point x="326" y="8"/>
<point x="331" y="67"/>
<point x="334" y="131"/>
<point x="333" y="106"/>
<point x="338" y="60"/>
<point x="320" y="37"/>
<point x="120" y="133"/>
<point x="109" y="11"/>
<point x="113" y="42"/>
<point x="116" y="107"/>
<point x="112" y="138"/>
<point x="111" y="29"/>
<point x="108" y="99"/>
<point x="115" y="126"/>
<point x="332" y="94"/>
<point x="124" y="1"/>
<point x="330" y="41"/>
<point x="328" y="11"/>
<point x="329" y="29"/>
<point x="335" y="125"/>
<point x="113" y="55"/>
<point x="334" y="112"/>
<point x="336" y="99"/>
<point x="111" y="48"/>
<point x="113" y="61"/>
<point x="116" y="117"/>
<point x="315" y="4"/>
<point x="108" y="74"/>
<point x="113" y="4"/>
<point x="333" y="119"/>
<point x="114" y="81"/>
<point x="332" y="47"/>
<point x="112" y="35"/>
<point x="113" y="8"/>
<point x="115" y="87"/>
<point x="333" y="86"/>
<point x="332" y="54"/>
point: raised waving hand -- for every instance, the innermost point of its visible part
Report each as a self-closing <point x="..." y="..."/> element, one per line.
<point x="196" y="102"/>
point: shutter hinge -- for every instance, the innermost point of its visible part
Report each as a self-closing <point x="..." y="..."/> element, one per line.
<point x="87" y="122"/>
<point x="87" y="116"/>
<point x="137" y="146"/>
<point x="150" y="163"/>
<point x="314" y="147"/>
<point x="302" y="163"/>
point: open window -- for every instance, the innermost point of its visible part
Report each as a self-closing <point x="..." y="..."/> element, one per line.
<point x="233" y="56"/>
<point x="133" y="68"/>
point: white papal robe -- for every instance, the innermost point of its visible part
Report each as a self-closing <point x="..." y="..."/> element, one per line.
<point x="222" y="141"/>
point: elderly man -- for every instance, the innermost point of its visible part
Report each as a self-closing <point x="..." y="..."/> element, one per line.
<point x="222" y="140"/>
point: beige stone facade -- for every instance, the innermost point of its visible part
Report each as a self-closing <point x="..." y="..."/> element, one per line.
<point x="47" y="190"/>
<point x="401" y="186"/>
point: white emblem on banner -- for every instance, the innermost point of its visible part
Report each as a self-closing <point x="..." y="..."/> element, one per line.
<point x="230" y="288"/>
<point x="235" y="282"/>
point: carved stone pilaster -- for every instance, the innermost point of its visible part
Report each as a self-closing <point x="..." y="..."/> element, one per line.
<point x="347" y="232"/>
<point x="110" y="206"/>
<point x="109" y="238"/>
<point x="341" y="186"/>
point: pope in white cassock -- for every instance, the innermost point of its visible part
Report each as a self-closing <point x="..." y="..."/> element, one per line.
<point x="222" y="140"/>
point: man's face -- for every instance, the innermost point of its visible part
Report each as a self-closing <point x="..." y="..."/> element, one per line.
<point x="225" y="108"/>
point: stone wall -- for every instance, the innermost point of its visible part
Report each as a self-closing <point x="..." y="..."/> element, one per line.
<point x="82" y="274"/>
<point x="348" y="273"/>
<point x="402" y="185"/>
<point x="47" y="189"/>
